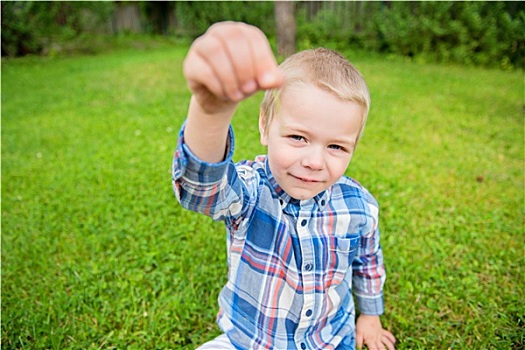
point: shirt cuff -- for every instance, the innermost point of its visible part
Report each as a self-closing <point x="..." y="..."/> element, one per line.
<point x="370" y="305"/>
<point x="188" y="165"/>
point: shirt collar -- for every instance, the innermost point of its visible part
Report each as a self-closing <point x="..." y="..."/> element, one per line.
<point x="320" y="199"/>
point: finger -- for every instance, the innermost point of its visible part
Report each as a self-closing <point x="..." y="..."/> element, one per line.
<point x="374" y="344"/>
<point x="237" y="40"/>
<point x="388" y="335"/>
<point x="252" y="58"/>
<point x="389" y="345"/>
<point x="200" y="75"/>
<point x="389" y="340"/>
<point x="212" y="50"/>
<point x="267" y="73"/>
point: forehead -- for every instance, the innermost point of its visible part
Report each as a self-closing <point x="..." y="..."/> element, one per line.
<point x="312" y="109"/>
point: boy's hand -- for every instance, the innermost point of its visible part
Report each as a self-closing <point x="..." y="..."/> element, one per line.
<point x="370" y="332"/>
<point x="230" y="62"/>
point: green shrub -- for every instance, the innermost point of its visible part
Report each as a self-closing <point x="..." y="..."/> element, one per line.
<point x="34" y="27"/>
<point x="478" y="33"/>
<point x="194" y="17"/>
<point x="472" y="33"/>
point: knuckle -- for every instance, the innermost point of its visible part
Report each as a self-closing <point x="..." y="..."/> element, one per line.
<point x="223" y="28"/>
<point x="211" y="46"/>
<point x="236" y="33"/>
<point x="256" y="33"/>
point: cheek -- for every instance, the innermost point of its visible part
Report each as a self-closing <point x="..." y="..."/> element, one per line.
<point x="338" y="167"/>
<point x="282" y="156"/>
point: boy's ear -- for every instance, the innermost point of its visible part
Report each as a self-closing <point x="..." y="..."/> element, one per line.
<point x="262" y="132"/>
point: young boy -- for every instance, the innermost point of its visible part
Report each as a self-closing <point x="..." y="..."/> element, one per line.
<point x="302" y="237"/>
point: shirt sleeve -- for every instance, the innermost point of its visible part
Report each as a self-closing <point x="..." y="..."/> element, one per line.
<point x="368" y="269"/>
<point x="212" y="189"/>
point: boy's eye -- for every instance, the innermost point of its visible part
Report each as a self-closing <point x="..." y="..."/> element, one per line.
<point x="296" y="137"/>
<point x="336" y="147"/>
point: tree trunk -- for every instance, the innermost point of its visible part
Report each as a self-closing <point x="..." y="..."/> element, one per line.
<point x="286" y="27"/>
<point x="127" y="18"/>
<point x="312" y="7"/>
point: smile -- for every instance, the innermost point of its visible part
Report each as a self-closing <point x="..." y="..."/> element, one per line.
<point x="306" y="180"/>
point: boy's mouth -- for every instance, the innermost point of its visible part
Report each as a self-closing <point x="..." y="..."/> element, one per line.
<point x="304" y="179"/>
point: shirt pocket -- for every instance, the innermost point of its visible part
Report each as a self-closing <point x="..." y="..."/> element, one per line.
<point x="341" y="253"/>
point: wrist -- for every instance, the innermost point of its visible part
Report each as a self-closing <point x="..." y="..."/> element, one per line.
<point x="368" y="316"/>
<point x="206" y="133"/>
<point x="212" y="107"/>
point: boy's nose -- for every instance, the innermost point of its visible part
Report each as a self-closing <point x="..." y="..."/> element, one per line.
<point x="313" y="159"/>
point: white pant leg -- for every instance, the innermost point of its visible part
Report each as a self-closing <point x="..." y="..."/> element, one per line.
<point x="220" y="343"/>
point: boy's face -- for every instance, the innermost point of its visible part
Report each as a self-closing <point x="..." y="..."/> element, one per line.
<point x="311" y="140"/>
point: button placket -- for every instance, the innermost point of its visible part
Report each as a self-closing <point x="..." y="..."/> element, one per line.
<point x="307" y="251"/>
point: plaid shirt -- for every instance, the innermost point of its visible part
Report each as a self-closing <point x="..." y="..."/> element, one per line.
<point x="293" y="265"/>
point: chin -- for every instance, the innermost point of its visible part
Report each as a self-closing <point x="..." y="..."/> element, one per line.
<point x="302" y="195"/>
<point x="302" y="198"/>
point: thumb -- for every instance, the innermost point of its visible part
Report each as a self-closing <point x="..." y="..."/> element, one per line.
<point x="271" y="79"/>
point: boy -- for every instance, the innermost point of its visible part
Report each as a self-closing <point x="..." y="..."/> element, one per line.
<point x="301" y="236"/>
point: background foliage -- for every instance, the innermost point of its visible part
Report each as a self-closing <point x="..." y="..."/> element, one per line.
<point x="480" y="33"/>
<point x="35" y="27"/>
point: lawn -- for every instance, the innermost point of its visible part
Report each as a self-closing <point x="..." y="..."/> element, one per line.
<point x="97" y="254"/>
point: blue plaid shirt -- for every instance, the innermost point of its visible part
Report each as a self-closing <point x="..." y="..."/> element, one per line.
<point x="293" y="265"/>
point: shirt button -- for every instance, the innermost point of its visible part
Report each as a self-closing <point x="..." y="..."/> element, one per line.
<point x="303" y="346"/>
<point x="309" y="267"/>
<point x="303" y="223"/>
<point x="322" y="202"/>
<point x="309" y="313"/>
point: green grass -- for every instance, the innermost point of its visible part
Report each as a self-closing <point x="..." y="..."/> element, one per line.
<point x="97" y="254"/>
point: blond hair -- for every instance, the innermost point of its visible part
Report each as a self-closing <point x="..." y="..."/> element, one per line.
<point x="325" y="69"/>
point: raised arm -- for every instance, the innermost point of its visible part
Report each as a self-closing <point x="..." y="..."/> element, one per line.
<point x="229" y="63"/>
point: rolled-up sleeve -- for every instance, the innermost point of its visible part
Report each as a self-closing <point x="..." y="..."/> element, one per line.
<point x="212" y="189"/>
<point x="186" y="165"/>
